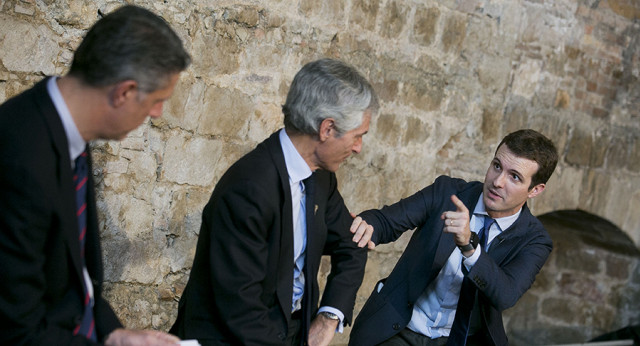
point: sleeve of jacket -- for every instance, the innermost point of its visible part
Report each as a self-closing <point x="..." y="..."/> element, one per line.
<point x="503" y="284"/>
<point x="390" y="222"/>
<point x="239" y="226"/>
<point x="347" y="259"/>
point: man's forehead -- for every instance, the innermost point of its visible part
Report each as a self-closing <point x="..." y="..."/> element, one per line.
<point x="522" y="164"/>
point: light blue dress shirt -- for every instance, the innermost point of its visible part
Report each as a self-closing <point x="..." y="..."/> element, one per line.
<point x="435" y="309"/>
<point x="298" y="171"/>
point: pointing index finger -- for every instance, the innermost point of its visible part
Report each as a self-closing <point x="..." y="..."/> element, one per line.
<point x="459" y="205"/>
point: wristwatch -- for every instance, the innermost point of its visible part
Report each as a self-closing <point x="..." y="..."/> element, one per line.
<point x="473" y="243"/>
<point x="329" y="315"/>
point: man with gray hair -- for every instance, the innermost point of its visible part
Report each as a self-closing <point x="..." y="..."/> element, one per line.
<point x="51" y="291"/>
<point x="273" y="215"/>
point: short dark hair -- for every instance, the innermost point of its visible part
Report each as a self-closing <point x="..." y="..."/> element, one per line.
<point x="131" y="43"/>
<point x="328" y="88"/>
<point x="534" y="146"/>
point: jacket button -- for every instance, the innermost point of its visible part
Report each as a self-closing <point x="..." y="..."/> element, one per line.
<point x="395" y="326"/>
<point x="410" y="305"/>
<point x="282" y="336"/>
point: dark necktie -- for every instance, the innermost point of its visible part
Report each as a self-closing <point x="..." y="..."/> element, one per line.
<point x="309" y="186"/>
<point x="80" y="182"/>
<point x="484" y="232"/>
<point x="466" y="301"/>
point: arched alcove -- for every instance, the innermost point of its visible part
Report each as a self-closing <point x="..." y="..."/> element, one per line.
<point x="589" y="286"/>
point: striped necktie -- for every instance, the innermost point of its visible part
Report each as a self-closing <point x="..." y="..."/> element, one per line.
<point x="80" y="181"/>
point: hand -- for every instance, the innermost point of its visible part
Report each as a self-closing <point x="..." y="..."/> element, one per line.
<point x="129" y="337"/>
<point x="362" y="232"/>
<point x="457" y="223"/>
<point x="322" y="330"/>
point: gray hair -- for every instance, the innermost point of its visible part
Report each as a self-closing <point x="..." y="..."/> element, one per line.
<point x="130" y="43"/>
<point x="328" y="88"/>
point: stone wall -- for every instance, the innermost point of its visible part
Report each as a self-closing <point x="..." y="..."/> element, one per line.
<point x="454" y="77"/>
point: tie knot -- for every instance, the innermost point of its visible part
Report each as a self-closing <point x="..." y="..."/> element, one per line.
<point x="81" y="162"/>
<point x="488" y="221"/>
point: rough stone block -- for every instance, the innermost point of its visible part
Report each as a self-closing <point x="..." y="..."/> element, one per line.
<point x="579" y="147"/>
<point x="633" y="164"/>
<point x="454" y="32"/>
<point x="585" y="260"/>
<point x="22" y="39"/>
<point x="184" y="108"/>
<point x="585" y="288"/>
<point x="244" y="15"/>
<point x="525" y="317"/>
<point x="191" y="161"/>
<point x="424" y="29"/>
<point x="516" y="114"/>
<point x="423" y="89"/>
<point x="387" y="127"/>
<point x="135" y="304"/>
<point x="226" y="111"/>
<point x="600" y="112"/>
<point x="417" y="132"/>
<point x="618" y="267"/>
<point x="563" y="100"/>
<point x="490" y="124"/>
<point x="618" y="151"/>
<point x="364" y="13"/>
<point x="222" y="60"/>
<point x="394" y="18"/>
<point x="526" y="79"/>
<point x="493" y="73"/>
<point x="387" y="90"/>
<point x="561" y="310"/>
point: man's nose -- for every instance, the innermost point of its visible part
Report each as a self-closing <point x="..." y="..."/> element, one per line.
<point x="357" y="146"/>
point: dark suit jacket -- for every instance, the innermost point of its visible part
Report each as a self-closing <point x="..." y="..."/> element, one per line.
<point x="241" y="283"/>
<point x="501" y="276"/>
<point x="41" y="299"/>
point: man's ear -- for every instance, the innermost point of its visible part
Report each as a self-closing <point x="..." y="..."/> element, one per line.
<point x="536" y="190"/>
<point x="326" y="127"/>
<point x="122" y="91"/>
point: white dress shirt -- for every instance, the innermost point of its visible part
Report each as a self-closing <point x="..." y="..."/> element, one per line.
<point x="76" y="144"/>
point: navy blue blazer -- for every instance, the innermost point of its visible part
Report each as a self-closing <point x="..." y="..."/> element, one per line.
<point x="41" y="298"/>
<point x="501" y="275"/>
<point x="241" y="283"/>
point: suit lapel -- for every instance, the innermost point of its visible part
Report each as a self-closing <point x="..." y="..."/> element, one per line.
<point x="446" y="244"/>
<point x="503" y="243"/>
<point x="64" y="174"/>
<point x="469" y="197"/>
<point x="285" y="260"/>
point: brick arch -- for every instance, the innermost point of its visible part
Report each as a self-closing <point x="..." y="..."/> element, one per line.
<point x="589" y="286"/>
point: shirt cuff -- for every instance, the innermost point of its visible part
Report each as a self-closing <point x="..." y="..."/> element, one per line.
<point x="340" y="328"/>
<point x="471" y="260"/>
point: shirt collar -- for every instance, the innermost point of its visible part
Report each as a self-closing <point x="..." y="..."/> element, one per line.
<point x="503" y="222"/>
<point x="75" y="141"/>
<point x="296" y="166"/>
